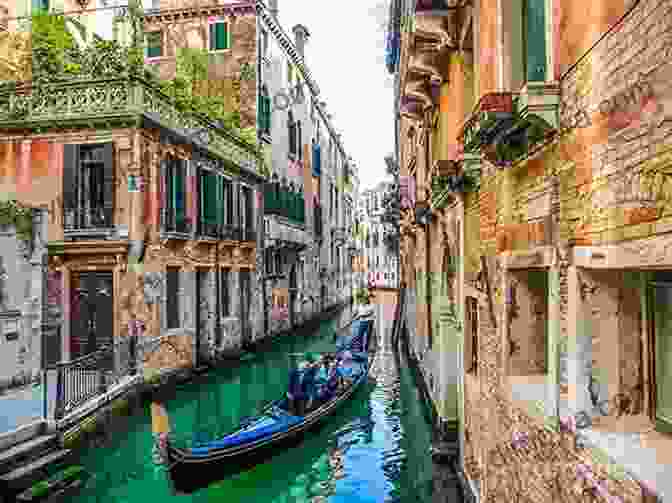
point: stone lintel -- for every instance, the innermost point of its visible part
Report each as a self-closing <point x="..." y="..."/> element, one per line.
<point x="649" y="253"/>
<point x="541" y="256"/>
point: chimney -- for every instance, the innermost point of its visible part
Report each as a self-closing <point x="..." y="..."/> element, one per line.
<point x="301" y="35"/>
<point x="273" y="8"/>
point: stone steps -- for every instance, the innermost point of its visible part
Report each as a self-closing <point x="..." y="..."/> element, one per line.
<point x="26" y="459"/>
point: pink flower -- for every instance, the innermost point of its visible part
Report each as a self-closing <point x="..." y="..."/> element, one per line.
<point x="647" y="488"/>
<point x="294" y="168"/>
<point x="520" y="439"/>
<point x="568" y="424"/>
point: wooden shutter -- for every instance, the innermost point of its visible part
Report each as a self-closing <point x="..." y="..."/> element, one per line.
<point x="70" y="169"/>
<point x="299" y="147"/>
<point x="213" y="44"/>
<point x="108" y="183"/>
<point x="662" y="321"/>
<point x="221" y="36"/>
<point x="179" y="191"/>
<point x="164" y="195"/>
<point x="535" y="39"/>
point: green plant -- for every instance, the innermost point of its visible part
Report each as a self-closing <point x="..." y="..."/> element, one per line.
<point x="40" y="489"/>
<point x="12" y="213"/>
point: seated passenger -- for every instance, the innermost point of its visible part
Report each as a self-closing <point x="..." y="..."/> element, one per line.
<point x="295" y="396"/>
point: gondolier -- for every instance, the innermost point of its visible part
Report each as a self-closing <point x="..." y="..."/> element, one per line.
<point x="282" y="423"/>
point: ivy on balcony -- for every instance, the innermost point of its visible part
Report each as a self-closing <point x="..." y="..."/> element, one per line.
<point x="468" y="180"/>
<point x="57" y="59"/>
<point x="499" y="131"/>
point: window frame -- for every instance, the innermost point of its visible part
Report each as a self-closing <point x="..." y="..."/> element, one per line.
<point x="471" y="318"/>
<point x="172" y="305"/>
<point x="212" y="30"/>
<point x="149" y="34"/>
<point x="225" y="291"/>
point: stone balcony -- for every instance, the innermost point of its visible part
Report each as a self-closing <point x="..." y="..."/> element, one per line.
<point x="284" y="233"/>
<point x="118" y="102"/>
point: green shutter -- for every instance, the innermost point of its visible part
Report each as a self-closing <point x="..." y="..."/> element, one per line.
<point x="662" y="319"/>
<point x="220" y="201"/>
<point x="178" y="191"/>
<point x="221" y="36"/>
<point x="535" y="40"/>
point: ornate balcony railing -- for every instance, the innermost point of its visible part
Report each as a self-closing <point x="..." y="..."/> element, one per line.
<point x="281" y="200"/>
<point x="106" y="101"/>
<point x="87" y="218"/>
<point x="499" y="131"/>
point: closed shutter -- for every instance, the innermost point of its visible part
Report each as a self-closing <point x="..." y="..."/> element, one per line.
<point x="662" y="320"/>
<point x="299" y="141"/>
<point x="535" y="40"/>
<point x="267" y="112"/>
<point x="219" y="202"/>
<point x="219" y="34"/>
<point x="179" y="193"/>
<point x="163" y="194"/>
<point x="209" y="197"/>
<point x="108" y="183"/>
<point x="70" y="170"/>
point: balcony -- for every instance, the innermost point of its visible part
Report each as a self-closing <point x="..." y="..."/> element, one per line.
<point x="340" y="235"/>
<point x="122" y="101"/>
<point x="87" y="221"/>
<point x="282" y="200"/>
<point x="503" y="128"/>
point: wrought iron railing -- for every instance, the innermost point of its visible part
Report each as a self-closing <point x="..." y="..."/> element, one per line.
<point x="87" y="377"/>
<point x="87" y="218"/>
<point x="173" y="223"/>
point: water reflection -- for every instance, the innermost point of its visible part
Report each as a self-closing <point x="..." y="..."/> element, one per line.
<point x="374" y="449"/>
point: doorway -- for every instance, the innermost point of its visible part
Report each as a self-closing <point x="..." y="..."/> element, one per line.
<point x="660" y="302"/>
<point x="92" y="317"/>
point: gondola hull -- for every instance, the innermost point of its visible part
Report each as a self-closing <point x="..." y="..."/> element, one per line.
<point x="189" y="472"/>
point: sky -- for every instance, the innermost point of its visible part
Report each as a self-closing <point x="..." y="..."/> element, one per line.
<point x="346" y="55"/>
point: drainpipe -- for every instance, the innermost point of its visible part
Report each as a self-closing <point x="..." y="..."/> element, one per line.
<point x="136" y="232"/>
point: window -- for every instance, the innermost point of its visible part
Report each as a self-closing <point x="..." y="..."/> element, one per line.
<point x="661" y="320"/>
<point x="225" y="291"/>
<point x="175" y="218"/>
<point x="471" y="338"/>
<point x="41" y="5"/>
<point x="172" y="297"/>
<point x="88" y="186"/>
<point x="264" y="111"/>
<point x="247" y="213"/>
<point x="219" y="36"/>
<point x="291" y="127"/>
<point x="264" y="43"/>
<point x="154" y="44"/>
<point x="228" y="196"/>
<point x="534" y="40"/>
<point x="299" y="141"/>
<point x="268" y="260"/>
<point x="211" y="203"/>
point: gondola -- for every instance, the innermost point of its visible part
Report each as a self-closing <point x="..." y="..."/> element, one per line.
<point x="276" y="428"/>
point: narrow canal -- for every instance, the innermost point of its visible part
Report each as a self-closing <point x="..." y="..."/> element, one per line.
<point x="375" y="449"/>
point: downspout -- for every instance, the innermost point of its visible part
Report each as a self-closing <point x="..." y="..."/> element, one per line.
<point x="137" y="226"/>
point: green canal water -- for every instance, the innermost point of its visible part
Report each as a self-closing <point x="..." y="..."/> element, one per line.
<point x="375" y="449"/>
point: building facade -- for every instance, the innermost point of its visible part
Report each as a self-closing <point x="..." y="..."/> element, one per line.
<point x="380" y="258"/>
<point x="532" y="148"/>
<point x="147" y="204"/>
<point x="309" y="197"/>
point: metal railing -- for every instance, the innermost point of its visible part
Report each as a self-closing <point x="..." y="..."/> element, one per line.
<point x="86" y="377"/>
<point x="87" y="218"/>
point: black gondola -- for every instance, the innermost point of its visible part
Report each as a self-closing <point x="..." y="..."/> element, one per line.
<point x="275" y="428"/>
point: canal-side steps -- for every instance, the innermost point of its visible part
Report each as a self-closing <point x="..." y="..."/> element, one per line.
<point x="28" y="455"/>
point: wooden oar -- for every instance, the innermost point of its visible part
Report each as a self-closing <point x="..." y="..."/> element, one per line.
<point x="160" y="420"/>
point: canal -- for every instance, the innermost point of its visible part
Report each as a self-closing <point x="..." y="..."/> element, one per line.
<point x="375" y="449"/>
